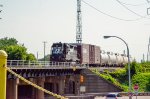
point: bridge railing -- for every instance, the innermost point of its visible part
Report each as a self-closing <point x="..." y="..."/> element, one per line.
<point x="25" y="63"/>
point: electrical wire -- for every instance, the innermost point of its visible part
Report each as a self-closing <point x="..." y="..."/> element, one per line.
<point x="134" y="4"/>
<point x="148" y="1"/>
<point x="130" y="10"/>
<point x="109" y="14"/>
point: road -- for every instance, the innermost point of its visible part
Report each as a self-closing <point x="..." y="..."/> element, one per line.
<point x="125" y="97"/>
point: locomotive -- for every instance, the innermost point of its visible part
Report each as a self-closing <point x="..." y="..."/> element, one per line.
<point x="85" y="54"/>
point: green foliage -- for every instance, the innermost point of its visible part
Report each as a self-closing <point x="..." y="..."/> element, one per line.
<point x="7" y="42"/>
<point x="140" y="74"/>
<point x="135" y="68"/>
<point x="108" y="77"/>
<point x="146" y="66"/>
<point x="30" y="57"/>
<point x="120" y="75"/>
<point x="143" y="80"/>
<point x="14" y="50"/>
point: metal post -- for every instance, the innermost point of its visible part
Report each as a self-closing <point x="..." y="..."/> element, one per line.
<point x="129" y="74"/>
<point x="0" y="9"/>
<point x="44" y="48"/>
<point x="44" y="51"/>
<point x="79" y="23"/>
<point x="3" y="74"/>
<point x="148" y="52"/>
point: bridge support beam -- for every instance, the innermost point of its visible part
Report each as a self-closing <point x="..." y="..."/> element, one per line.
<point x="3" y="74"/>
<point x="39" y="93"/>
<point x="61" y="85"/>
<point x="77" y="84"/>
<point x="12" y="88"/>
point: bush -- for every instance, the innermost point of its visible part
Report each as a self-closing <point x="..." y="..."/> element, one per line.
<point x="143" y="80"/>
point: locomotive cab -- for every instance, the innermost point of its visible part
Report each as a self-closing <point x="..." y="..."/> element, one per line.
<point x="63" y="52"/>
<point x="57" y="52"/>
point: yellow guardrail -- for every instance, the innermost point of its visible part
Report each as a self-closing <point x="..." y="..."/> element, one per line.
<point x="3" y="77"/>
<point x="34" y="85"/>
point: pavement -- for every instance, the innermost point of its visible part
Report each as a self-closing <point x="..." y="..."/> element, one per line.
<point x="126" y="97"/>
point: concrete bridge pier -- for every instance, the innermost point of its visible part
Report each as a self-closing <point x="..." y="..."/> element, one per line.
<point x="39" y="93"/>
<point x="12" y="88"/>
<point x="61" y="85"/>
<point x="77" y="84"/>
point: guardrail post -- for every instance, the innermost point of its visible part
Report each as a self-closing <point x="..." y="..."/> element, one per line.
<point x="3" y="74"/>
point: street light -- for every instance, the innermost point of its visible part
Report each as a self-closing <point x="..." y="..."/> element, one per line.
<point x="105" y="37"/>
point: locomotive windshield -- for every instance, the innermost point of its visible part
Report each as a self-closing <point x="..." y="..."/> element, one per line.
<point x="56" y="50"/>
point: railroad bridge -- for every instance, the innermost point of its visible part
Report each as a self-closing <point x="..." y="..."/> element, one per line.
<point x="63" y="78"/>
<point x="57" y="77"/>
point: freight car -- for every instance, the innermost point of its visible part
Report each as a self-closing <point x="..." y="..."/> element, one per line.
<point x="85" y="54"/>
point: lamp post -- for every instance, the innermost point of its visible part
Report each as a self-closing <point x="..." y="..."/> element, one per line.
<point x="129" y="74"/>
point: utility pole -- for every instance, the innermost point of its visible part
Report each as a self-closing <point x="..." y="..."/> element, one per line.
<point x="79" y="23"/>
<point x="0" y="9"/>
<point x="148" y="52"/>
<point x="44" y="49"/>
<point x="148" y="1"/>
<point x="37" y="56"/>
<point x="143" y="58"/>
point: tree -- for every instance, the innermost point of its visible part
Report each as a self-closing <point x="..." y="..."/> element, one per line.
<point x="7" y="42"/>
<point x="30" y="57"/>
<point x="14" y="50"/>
<point x="135" y="68"/>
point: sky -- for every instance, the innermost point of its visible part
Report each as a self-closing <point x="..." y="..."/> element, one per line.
<point x="32" y="22"/>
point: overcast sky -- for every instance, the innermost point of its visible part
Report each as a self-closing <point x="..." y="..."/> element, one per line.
<point x="33" y="21"/>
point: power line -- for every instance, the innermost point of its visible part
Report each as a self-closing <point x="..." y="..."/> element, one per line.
<point x="134" y="4"/>
<point x="148" y="1"/>
<point x="109" y="14"/>
<point x="130" y="10"/>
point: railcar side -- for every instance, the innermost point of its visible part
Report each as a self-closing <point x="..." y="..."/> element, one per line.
<point x="85" y="54"/>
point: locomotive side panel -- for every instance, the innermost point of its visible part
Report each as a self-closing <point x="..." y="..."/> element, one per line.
<point x="71" y="54"/>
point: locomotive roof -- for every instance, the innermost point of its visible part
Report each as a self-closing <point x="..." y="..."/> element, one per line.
<point x="74" y="43"/>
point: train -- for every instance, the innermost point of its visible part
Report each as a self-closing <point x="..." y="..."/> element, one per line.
<point x="86" y="54"/>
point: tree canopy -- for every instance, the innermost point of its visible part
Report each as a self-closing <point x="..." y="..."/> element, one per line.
<point x="14" y="50"/>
